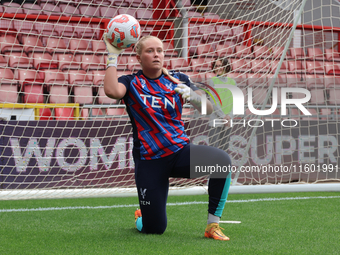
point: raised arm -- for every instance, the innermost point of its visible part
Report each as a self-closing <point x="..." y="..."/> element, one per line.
<point x="112" y="87"/>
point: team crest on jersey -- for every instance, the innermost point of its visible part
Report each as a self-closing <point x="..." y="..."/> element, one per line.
<point x="142" y="81"/>
<point x="169" y="85"/>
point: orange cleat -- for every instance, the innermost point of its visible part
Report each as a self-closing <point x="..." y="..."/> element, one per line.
<point x="213" y="230"/>
<point x="138" y="213"/>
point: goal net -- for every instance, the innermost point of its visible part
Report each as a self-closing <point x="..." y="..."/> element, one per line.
<point x="60" y="135"/>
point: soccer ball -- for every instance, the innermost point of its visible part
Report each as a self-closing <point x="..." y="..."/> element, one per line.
<point x="123" y="31"/>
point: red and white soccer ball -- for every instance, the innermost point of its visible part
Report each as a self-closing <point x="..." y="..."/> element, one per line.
<point x="123" y="31"/>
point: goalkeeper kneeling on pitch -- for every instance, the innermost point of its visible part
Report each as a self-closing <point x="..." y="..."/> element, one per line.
<point x="154" y="100"/>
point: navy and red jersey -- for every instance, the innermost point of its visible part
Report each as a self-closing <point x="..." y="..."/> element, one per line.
<point x="155" y="110"/>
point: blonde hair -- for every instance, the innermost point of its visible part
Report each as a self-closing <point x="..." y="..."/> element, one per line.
<point x="139" y="47"/>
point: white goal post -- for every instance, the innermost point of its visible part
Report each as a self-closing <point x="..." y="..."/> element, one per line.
<point x="61" y="137"/>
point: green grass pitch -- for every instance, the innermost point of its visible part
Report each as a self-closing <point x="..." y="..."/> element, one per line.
<point x="269" y="226"/>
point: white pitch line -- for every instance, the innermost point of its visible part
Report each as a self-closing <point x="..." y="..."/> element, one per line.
<point x="169" y="204"/>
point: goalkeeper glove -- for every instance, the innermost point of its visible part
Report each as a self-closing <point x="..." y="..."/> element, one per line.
<point x="189" y="95"/>
<point x="113" y="52"/>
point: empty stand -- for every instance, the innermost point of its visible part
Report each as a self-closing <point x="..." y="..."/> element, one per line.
<point x="32" y="9"/>
<point x="9" y="43"/>
<point x="57" y="85"/>
<point x="8" y="87"/>
<point x="43" y="61"/>
<point x="315" y="67"/>
<point x="241" y="65"/>
<point x="180" y="64"/>
<point x="315" y="54"/>
<point x="242" y="51"/>
<point x="92" y="62"/>
<point x="332" y="55"/>
<point x="283" y="69"/>
<point x="31" y="85"/>
<point x="297" y="53"/>
<point x="63" y="113"/>
<point x="32" y="44"/>
<point x="18" y="60"/>
<point x="81" y="83"/>
<point x="69" y="10"/>
<point x="56" y="46"/>
<point x="261" y="52"/>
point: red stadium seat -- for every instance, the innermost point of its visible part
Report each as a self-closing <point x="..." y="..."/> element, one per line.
<point x="225" y="32"/>
<point x="116" y="113"/>
<point x="169" y="50"/>
<point x="261" y="52"/>
<point x="92" y="62"/>
<point x="297" y="53"/>
<point x="126" y="10"/>
<point x="82" y="86"/>
<point x="260" y="66"/>
<point x="144" y="14"/>
<point x="11" y="7"/>
<point x="315" y="54"/>
<point x="8" y="86"/>
<point x="9" y="43"/>
<point x="257" y="80"/>
<point x="332" y="81"/>
<point x="99" y="47"/>
<point x="295" y="66"/>
<point x="98" y="77"/>
<point x="209" y="33"/>
<point x="204" y="50"/>
<point x="31" y="84"/>
<point x="85" y="31"/>
<point x="108" y="12"/>
<point x="69" y="10"/>
<point x="57" y="85"/>
<point x="136" y="3"/>
<point x="32" y="9"/>
<point x="332" y="68"/>
<point x="64" y="113"/>
<point x="277" y="52"/>
<point x="123" y="63"/>
<point x="295" y="81"/>
<point x="24" y="28"/>
<point x="32" y="44"/>
<point x="67" y="62"/>
<point x="64" y="30"/>
<point x="7" y="26"/>
<point x="18" y="60"/>
<point x="332" y="55"/>
<point x="317" y="96"/>
<point x="280" y="81"/>
<point x="224" y="50"/>
<point x="315" y="67"/>
<point x="334" y="96"/>
<point x="56" y="46"/>
<point x="79" y="46"/>
<point x="89" y="10"/>
<point x="180" y="64"/>
<point x="240" y="65"/>
<point x="199" y="65"/>
<point x="45" y="114"/>
<point x="242" y="51"/>
<point x="50" y="8"/>
<point x="283" y="69"/>
<point x="43" y="61"/>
